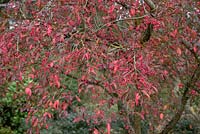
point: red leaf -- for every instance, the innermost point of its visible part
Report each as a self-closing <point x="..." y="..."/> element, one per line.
<point x="28" y="91"/>
<point x="57" y="82"/>
<point x="193" y="34"/>
<point x="195" y="49"/>
<point x="46" y="126"/>
<point x="111" y="9"/>
<point x="180" y="85"/>
<point x="49" y="29"/>
<point x="115" y="69"/>
<point x="116" y="66"/>
<point x="193" y="92"/>
<point x="39" y="3"/>
<point x="71" y="23"/>
<point x="77" y="119"/>
<point x="35" y="122"/>
<point x="145" y="93"/>
<point x="47" y="114"/>
<point x="86" y="56"/>
<point x="50" y="104"/>
<point x="132" y="11"/>
<point x="51" y="64"/>
<point x="165" y="73"/>
<point x="20" y="76"/>
<point x="95" y="131"/>
<point x="31" y="76"/>
<point x="99" y="1"/>
<point x="173" y="34"/>
<point x="78" y="18"/>
<point x="31" y="46"/>
<point x="137" y="97"/>
<point x="56" y="104"/>
<point x="108" y="128"/>
<point x="179" y="51"/>
<point x="161" y="116"/>
<point x="64" y="106"/>
<point x="78" y="99"/>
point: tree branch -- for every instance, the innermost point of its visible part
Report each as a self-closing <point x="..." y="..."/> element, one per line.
<point x="150" y="4"/>
<point x="185" y="98"/>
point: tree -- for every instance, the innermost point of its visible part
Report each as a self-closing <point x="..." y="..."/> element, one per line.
<point x="139" y="56"/>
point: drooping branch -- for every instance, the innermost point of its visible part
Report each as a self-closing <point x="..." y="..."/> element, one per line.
<point x="97" y="83"/>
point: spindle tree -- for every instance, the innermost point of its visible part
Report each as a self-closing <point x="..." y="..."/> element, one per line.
<point x="139" y="57"/>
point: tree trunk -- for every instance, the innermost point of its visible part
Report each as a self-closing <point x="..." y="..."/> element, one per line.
<point x="178" y="114"/>
<point x="137" y="124"/>
<point x="137" y="120"/>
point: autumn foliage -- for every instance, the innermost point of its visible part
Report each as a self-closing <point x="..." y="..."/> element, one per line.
<point x="103" y="45"/>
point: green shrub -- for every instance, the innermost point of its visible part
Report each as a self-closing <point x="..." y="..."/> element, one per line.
<point x="5" y="130"/>
<point x="12" y="118"/>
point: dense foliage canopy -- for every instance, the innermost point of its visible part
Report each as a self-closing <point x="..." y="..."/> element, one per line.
<point x="105" y="59"/>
